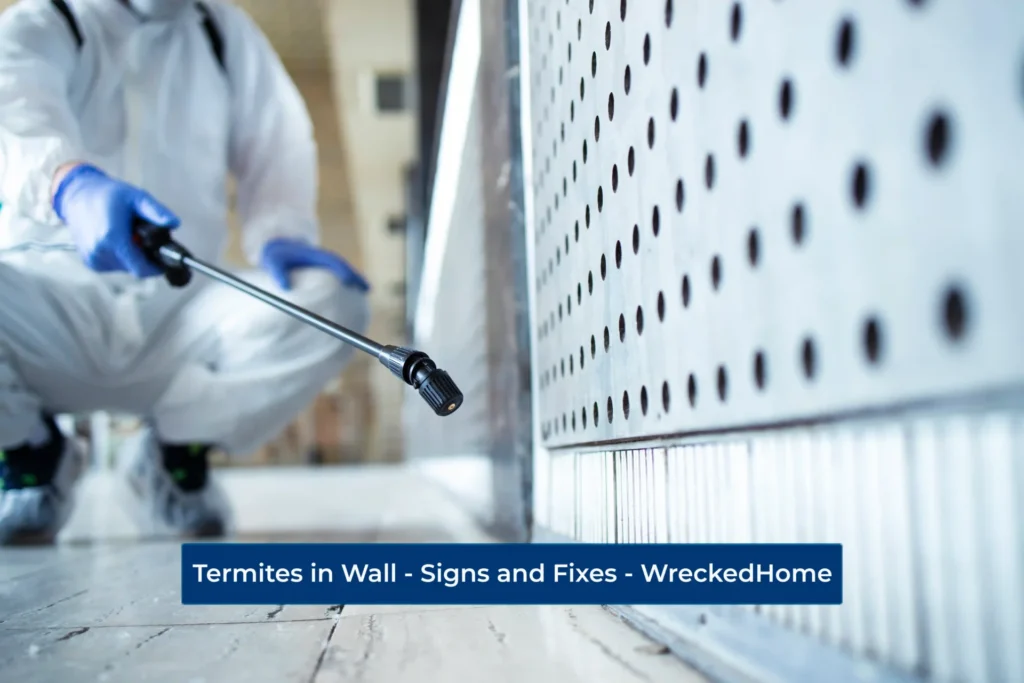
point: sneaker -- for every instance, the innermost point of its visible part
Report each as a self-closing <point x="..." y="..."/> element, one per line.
<point x="171" y="490"/>
<point x="38" y="488"/>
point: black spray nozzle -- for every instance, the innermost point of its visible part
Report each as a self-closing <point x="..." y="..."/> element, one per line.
<point x="416" y="369"/>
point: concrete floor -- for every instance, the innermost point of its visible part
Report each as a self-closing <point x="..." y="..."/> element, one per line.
<point x="104" y="604"/>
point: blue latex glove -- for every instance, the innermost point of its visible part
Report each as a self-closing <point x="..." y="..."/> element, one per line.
<point x="283" y="255"/>
<point x="100" y="212"/>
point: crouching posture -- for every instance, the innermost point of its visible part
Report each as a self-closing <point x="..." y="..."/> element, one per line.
<point x="115" y="111"/>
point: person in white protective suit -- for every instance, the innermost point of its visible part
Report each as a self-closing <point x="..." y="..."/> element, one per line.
<point x="118" y="110"/>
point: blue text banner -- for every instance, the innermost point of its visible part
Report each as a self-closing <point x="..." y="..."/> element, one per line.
<point x="510" y="574"/>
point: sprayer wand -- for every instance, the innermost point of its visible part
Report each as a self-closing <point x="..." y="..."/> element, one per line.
<point x="413" y="367"/>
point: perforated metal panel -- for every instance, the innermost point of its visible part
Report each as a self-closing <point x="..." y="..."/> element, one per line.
<point x="755" y="212"/>
<point x="766" y="236"/>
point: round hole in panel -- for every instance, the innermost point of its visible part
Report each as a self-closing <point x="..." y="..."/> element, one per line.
<point x="798" y="223"/>
<point x="584" y="151"/>
<point x="600" y="198"/>
<point x="572" y="112"/>
<point x="736" y="22"/>
<point x="643" y="400"/>
<point x="586" y="216"/>
<point x="650" y="132"/>
<point x="618" y="254"/>
<point x="597" y="128"/>
<point x="872" y="339"/>
<point x="680" y="194"/>
<point x="579" y="293"/>
<point x="593" y="66"/>
<point x="579" y="30"/>
<point x="808" y="358"/>
<point x="577" y="229"/>
<point x="647" y="49"/>
<point x="574" y="171"/>
<point x="591" y="6"/>
<point x="743" y="139"/>
<point x="723" y="384"/>
<point x="590" y="281"/>
<point x="583" y="359"/>
<point x="622" y="10"/>
<point x="760" y="370"/>
<point x="596" y="414"/>
<point x="666" y="399"/>
<point x="622" y="327"/>
<point x="566" y="245"/>
<point x="702" y="70"/>
<point x="571" y="361"/>
<point x="568" y="304"/>
<point x="615" y="177"/>
<point x="593" y="346"/>
<point x="627" y="80"/>
<point x="716" y="272"/>
<point x="686" y="291"/>
<point x="639" y="320"/>
<point x="625" y="405"/>
<point x="691" y="390"/>
<point x="955" y="314"/>
<point x="845" y="41"/>
<point x="611" y="106"/>
<point x="861" y="185"/>
<point x="609" y="409"/>
<point x="786" y="99"/>
<point x="607" y="35"/>
<point x="583" y="415"/>
<point x="604" y="267"/>
<point x="668" y="13"/>
<point x="655" y="221"/>
<point x="661" y="306"/>
<point x="562" y="365"/>
<point x="574" y="420"/>
<point x="636" y="239"/>
<point x="607" y="339"/>
<point x="630" y="161"/>
<point x="709" y="171"/>
<point x="938" y="136"/>
<point x="753" y="247"/>
<point x="673" y="104"/>
<point x="583" y="90"/>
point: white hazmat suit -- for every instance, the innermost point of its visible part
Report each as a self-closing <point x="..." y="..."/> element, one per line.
<point x="147" y="102"/>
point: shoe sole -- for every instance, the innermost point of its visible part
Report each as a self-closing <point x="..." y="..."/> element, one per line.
<point x="133" y="502"/>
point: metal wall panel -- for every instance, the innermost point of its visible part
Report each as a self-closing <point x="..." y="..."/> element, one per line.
<point x="472" y="315"/>
<point x="756" y="212"/>
<point x="928" y="507"/>
<point x="766" y="238"/>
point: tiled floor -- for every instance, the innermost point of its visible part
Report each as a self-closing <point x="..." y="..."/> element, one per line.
<point x="104" y="605"/>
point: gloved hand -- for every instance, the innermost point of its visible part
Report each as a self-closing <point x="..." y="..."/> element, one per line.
<point x="100" y="212"/>
<point x="283" y="255"/>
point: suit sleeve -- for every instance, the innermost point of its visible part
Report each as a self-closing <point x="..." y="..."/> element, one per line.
<point x="38" y="129"/>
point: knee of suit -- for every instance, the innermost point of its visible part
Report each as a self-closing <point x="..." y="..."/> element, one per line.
<point x="323" y="294"/>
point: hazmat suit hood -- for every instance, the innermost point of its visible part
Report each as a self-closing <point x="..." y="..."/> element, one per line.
<point x="158" y="10"/>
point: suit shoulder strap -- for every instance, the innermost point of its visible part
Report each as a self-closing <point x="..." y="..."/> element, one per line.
<point x="69" y="16"/>
<point x="212" y="33"/>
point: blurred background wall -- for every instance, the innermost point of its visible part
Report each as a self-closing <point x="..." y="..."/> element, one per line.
<point x="355" y="64"/>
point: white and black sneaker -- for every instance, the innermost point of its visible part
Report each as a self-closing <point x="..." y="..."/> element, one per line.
<point x="38" y="487"/>
<point x="171" y="489"/>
